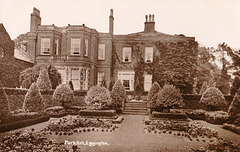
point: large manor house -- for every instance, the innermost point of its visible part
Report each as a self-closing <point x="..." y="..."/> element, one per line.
<point x="85" y="56"/>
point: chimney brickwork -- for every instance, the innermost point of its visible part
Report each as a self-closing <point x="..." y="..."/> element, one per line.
<point x="149" y="24"/>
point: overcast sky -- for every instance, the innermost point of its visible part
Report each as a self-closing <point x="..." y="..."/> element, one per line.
<point x="209" y="21"/>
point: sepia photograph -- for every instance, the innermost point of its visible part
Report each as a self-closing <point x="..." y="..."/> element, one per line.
<point x="119" y="76"/>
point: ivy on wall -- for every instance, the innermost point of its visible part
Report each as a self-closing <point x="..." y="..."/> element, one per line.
<point x="174" y="63"/>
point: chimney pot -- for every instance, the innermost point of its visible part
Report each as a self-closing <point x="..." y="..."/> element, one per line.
<point x="150" y="18"/>
<point x="153" y="17"/>
<point x="146" y="18"/>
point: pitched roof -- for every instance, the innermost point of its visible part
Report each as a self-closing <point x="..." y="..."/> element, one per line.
<point x="4" y="36"/>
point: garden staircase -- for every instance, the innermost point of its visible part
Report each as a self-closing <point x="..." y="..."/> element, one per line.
<point x="135" y="108"/>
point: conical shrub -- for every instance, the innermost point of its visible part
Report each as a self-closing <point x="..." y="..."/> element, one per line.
<point x="98" y="97"/>
<point x="43" y="80"/>
<point x="118" y="95"/>
<point x="213" y="99"/>
<point x="33" y="101"/>
<point x="153" y="90"/>
<point x="64" y="94"/>
<point x="203" y="88"/>
<point x="4" y="104"/>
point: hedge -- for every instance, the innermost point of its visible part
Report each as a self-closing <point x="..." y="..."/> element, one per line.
<point x="23" y="123"/>
<point x="169" y="115"/>
<point x="109" y="113"/>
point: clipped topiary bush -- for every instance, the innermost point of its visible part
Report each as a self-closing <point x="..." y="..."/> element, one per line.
<point x="33" y="101"/>
<point x="110" y="85"/>
<point x="154" y="90"/>
<point x="213" y="99"/>
<point x="169" y="97"/>
<point x="4" y="104"/>
<point x="64" y="95"/>
<point x="234" y="108"/>
<point x="118" y="95"/>
<point x="98" y="97"/>
<point x="43" y="80"/>
<point x="203" y="88"/>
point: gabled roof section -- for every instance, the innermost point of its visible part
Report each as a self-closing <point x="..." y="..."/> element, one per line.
<point x="4" y="36"/>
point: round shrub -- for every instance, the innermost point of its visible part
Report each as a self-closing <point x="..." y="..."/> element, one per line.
<point x="33" y="101"/>
<point x="98" y="97"/>
<point x="43" y="80"/>
<point x="118" y="95"/>
<point x="169" y="97"/>
<point x="154" y="90"/>
<point x="213" y="99"/>
<point x="234" y="108"/>
<point x="4" y="104"/>
<point x="64" y="95"/>
<point x="203" y="88"/>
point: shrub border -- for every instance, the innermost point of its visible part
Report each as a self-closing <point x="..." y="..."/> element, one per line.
<point x="23" y="123"/>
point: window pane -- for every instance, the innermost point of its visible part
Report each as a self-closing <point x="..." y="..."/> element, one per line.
<point x="75" y="45"/>
<point x="86" y="47"/>
<point x="45" y="46"/>
<point x="148" y="54"/>
<point x="127" y="54"/>
<point x="101" y="51"/>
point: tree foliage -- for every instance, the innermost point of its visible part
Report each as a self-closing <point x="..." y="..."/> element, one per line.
<point x="118" y="95"/>
<point x="4" y="104"/>
<point x="33" y="101"/>
<point x="235" y="84"/>
<point x="70" y="84"/>
<point x="213" y="99"/>
<point x="63" y="94"/>
<point x="30" y="75"/>
<point x="169" y="97"/>
<point x="204" y="88"/>
<point x="43" y="80"/>
<point x="98" y="97"/>
<point x="153" y="90"/>
<point x="234" y="108"/>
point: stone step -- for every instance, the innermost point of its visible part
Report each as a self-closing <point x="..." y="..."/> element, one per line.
<point x="134" y="113"/>
<point x="135" y="108"/>
<point x="130" y="106"/>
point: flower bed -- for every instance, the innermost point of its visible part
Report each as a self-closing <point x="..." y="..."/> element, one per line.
<point x="59" y="111"/>
<point x="68" y="126"/>
<point x="182" y="128"/>
<point x="108" y="113"/>
<point x="198" y="114"/>
<point x="216" y="117"/>
<point x="169" y="115"/>
<point x="31" y="141"/>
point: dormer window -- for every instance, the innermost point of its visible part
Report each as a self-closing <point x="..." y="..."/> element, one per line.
<point x="127" y="51"/>
<point x="45" y="46"/>
<point x="148" y="54"/>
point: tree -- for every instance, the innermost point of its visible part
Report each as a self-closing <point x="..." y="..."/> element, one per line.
<point x="169" y="97"/>
<point x="33" y="101"/>
<point x="204" y="88"/>
<point x="30" y="75"/>
<point x="43" y="81"/>
<point x="235" y="84"/>
<point x="64" y="94"/>
<point x="118" y="95"/>
<point x="153" y="90"/>
<point x="20" y="42"/>
<point x="110" y="85"/>
<point x="234" y="108"/>
<point x="213" y="99"/>
<point x="98" y="97"/>
<point x="4" y="104"/>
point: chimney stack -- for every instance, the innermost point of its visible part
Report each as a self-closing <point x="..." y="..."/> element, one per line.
<point x="111" y="19"/>
<point x="149" y="24"/>
<point x="35" y="20"/>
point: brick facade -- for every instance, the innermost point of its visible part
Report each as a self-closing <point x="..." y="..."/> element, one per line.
<point x="111" y="63"/>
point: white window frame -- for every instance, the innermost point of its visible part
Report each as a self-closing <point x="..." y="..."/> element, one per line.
<point x="76" y="86"/>
<point x="86" y="47"/>
<point x="101" y="51"/>
<point x="78" y="40"/>
<point x="147" y="83"/>
<point x="148" y="54"/>
<point x="100" y="77"/>
<point x="127" y="75"/>
<point x="45" y="44"/>
<point x="127" y="52"/>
